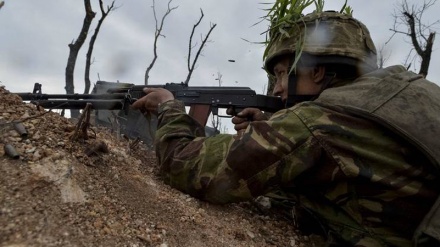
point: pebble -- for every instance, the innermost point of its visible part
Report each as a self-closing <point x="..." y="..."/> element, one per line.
<point x="250" y="234"/>
<point x="31" y="150"/>
<point x="36" y="156"/>
<point x="292" y="242"/>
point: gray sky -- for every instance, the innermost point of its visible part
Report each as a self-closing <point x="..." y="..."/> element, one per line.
<point x="34" y="38"/>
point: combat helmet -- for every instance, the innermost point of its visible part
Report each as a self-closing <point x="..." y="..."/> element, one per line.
<point x="328" y="36"/>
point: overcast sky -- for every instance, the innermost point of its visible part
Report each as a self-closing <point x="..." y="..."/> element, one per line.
<point x="34" y="38"/>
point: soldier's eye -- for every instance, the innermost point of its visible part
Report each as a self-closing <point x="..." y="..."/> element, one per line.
<point x="280" y="73"/>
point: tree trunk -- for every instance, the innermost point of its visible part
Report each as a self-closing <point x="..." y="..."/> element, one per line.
<point x="74" y="50"/>
<point x="426" y="57"/>
<point x="92" y="44"/>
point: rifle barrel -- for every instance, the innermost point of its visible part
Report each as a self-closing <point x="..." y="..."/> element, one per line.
<point x="37" y="96"/>
<point x="81" y="104"/>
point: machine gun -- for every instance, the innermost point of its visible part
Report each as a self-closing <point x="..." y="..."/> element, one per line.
<point x="202" y="100"/>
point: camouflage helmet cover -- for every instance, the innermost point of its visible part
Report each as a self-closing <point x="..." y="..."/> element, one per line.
<point x="328" y="34"/>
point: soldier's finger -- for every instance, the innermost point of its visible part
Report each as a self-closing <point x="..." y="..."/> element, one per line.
<point x="241" y="126"/>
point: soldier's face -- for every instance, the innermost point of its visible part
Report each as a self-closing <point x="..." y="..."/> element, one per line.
<point x="281" y="71"/>
<point x="307" y="81"/>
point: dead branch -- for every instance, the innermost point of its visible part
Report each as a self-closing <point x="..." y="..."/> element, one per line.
<point x="104" y="14"/>
<point x="382" y="58"/>
<point x="191" y="37"/>
<point x="83" y="124"/>
<point x="157" y="34"/>
<point x="192" y="66"/>
<point x="421" y="35"/>
<point x="74" y="48"/>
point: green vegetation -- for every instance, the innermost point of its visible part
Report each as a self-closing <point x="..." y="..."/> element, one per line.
<point x="284" y="17"/>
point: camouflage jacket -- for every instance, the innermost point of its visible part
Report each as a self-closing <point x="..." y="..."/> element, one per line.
<point x="368" y="185"/>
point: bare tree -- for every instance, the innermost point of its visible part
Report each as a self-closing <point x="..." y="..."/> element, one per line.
<point x="421" y="35"/>
<point x="92" y="43"/>
<point x="74" y="50"/>
<point x="215" y="120"/>
<point x="382" y="57"/>
<point x="157" y="34"/>
<point x="192" y="66"/>
<point x="219" y="78"/>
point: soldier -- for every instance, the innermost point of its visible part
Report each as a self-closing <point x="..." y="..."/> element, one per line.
<point x="356" y="148"/>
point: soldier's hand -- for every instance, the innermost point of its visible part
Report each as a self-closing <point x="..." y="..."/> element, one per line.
<point x="242" y="119"/>
<point x="151" y="101"/>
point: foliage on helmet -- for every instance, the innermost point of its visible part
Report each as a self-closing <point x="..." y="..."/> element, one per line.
<point x="288" y="30"/>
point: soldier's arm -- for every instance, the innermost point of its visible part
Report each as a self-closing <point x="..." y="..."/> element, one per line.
<point x="227" y="168"/>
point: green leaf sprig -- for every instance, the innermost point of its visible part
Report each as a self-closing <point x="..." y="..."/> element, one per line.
<point x="284" y="17"/>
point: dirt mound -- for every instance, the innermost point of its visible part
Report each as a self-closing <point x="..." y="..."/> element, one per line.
<point x="103" y="190"/>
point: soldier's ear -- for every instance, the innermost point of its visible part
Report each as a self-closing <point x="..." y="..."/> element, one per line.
<point x="318" y="74"/>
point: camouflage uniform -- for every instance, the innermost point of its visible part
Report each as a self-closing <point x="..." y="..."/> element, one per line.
<point x="366" y="184"/>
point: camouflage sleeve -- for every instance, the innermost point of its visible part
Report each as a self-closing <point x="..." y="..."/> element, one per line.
<point x="225" y="168"/>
